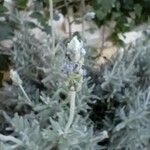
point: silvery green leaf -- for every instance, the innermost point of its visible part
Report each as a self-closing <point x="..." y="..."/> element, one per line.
<point x="120" y="126"/>
<point x="56" y="127"/>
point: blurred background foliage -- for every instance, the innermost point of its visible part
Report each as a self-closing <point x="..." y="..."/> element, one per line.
<point x="126" y="14"/>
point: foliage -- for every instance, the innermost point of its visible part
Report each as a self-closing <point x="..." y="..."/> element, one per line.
<point x="123" y="88"/>
<point x="39" y="116"/>
<point x="54" y="103"/>
<point x="126" y="13"/>
<point x="5" y="28"/>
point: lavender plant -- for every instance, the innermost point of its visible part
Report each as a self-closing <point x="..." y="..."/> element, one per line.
<point x="54" y="106"/>
<point x="123" y="88"/>
<point x="55" y="120"/>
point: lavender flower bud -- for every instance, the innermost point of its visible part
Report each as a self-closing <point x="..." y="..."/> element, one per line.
<point x="15" y="77"/>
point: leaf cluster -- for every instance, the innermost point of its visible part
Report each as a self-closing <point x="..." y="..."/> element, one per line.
<point x="124" y="106"/>
<point x="126" y="13"/>
<point x="41" y="125"/>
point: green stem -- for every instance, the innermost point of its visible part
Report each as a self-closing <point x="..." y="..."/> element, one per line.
<point x="72" y="94"/>
<point x="24" y="93"/>
<point x="52" y="25"/>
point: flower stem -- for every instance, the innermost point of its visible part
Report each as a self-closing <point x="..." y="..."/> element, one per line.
<point x="24" y="93"/>
<point x="72" y="94"/>
<point x="52" y="25"/>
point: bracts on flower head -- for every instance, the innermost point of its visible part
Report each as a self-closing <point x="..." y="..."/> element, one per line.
<point x="75" y="49"/>
<point x="77" y="53"/>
